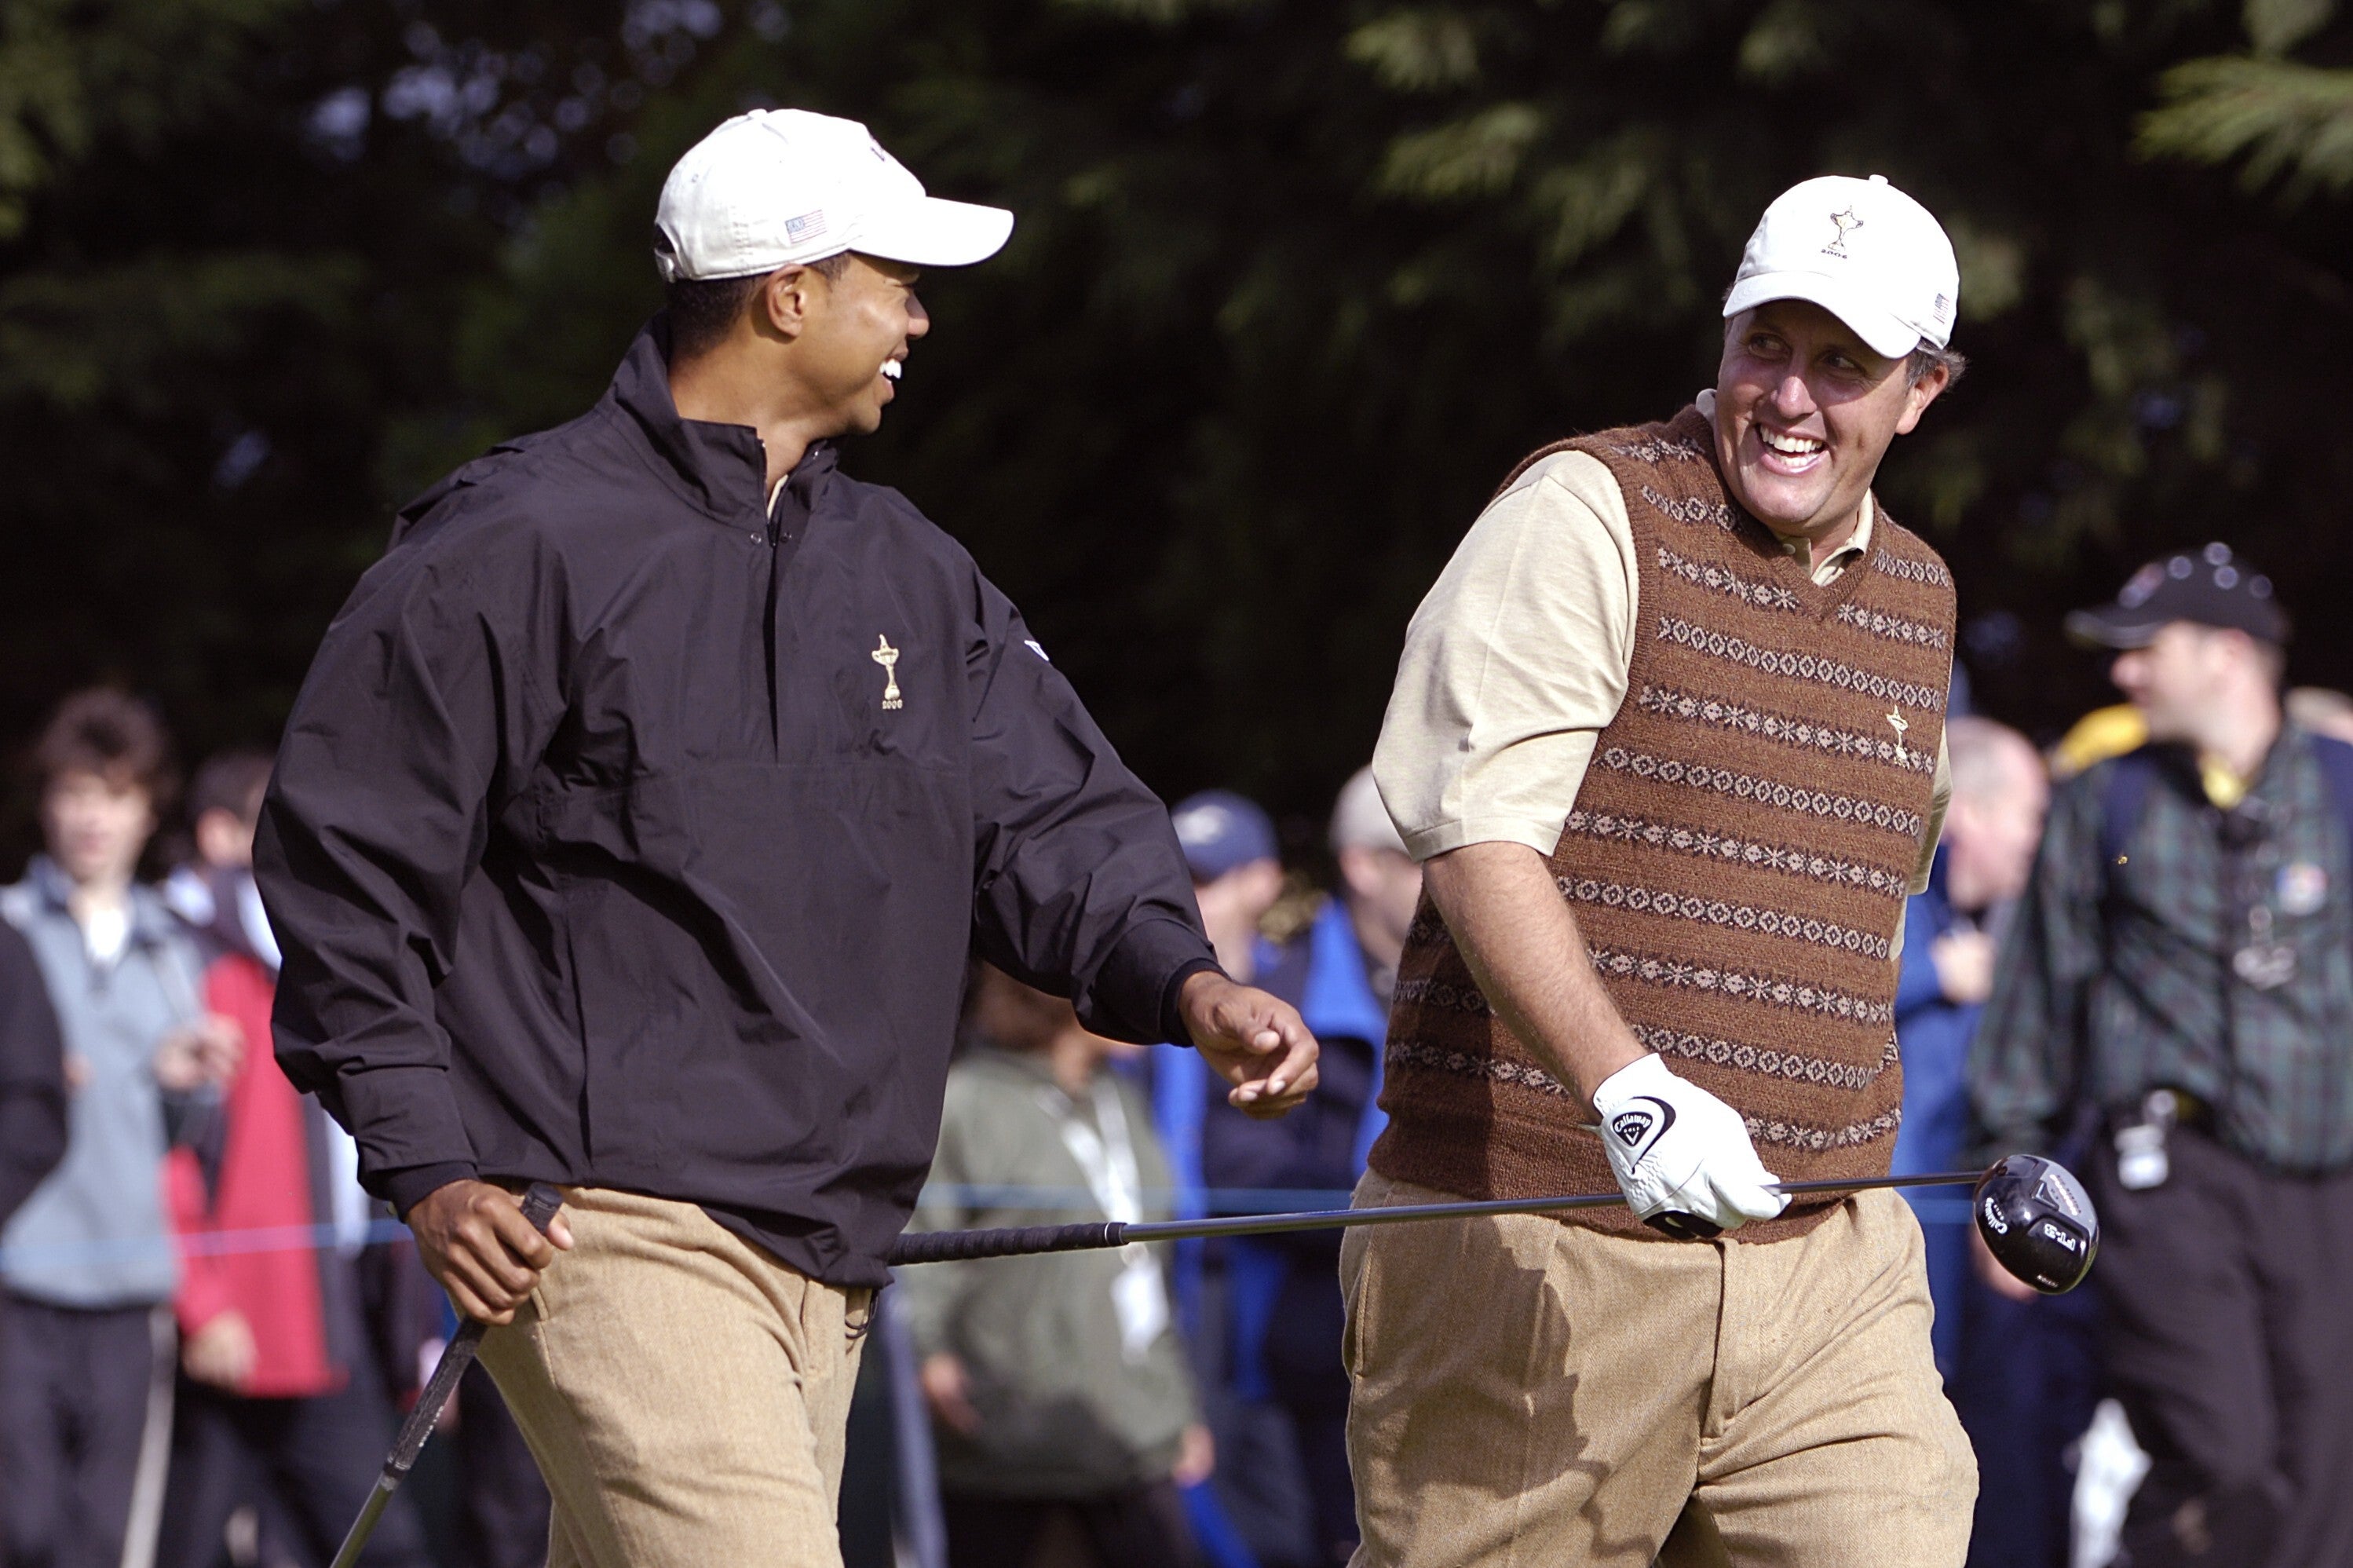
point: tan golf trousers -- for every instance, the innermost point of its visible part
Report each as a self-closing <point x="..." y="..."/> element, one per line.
<point x="684" y="1392"/>
<point x="1529" y="1393"/>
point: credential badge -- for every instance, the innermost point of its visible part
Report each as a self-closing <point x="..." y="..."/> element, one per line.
<point x="2302" y="888"/>
<point x="1847" y="222"/>
<point x="888" y="657"/>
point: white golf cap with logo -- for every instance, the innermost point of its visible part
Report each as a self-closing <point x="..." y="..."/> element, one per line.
<point x="780" y="186"/>
<point x="1863" y="251"/>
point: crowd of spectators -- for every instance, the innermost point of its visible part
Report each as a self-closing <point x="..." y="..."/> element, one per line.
<point x="210" y="1329"/>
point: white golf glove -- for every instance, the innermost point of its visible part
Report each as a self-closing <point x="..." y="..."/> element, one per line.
<point x="1677" y="1150"/>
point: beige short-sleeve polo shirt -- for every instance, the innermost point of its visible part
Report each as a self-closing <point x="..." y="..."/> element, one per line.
<point x="1518" y="660"/>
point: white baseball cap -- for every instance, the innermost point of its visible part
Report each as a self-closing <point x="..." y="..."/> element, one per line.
<point x="1863" y="251"/>
<point x="780" y="186"/>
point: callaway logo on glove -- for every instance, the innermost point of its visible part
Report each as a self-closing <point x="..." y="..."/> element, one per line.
<point x="1681" y="1156"/>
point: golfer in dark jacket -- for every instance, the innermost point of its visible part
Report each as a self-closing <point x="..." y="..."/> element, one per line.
<point x="631" y="833"/>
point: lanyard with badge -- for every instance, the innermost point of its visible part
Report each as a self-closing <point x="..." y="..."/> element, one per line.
<point x="1108" y="1161"/>
<point x="2260" y="960"/>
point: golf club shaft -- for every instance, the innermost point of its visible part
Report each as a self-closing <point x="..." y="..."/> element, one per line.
<point x="942" y="1247"/>
<point x="539" y="1206"/>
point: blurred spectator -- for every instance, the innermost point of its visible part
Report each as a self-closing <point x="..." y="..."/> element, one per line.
<point x="1060" y="1391"/>
<point x="1380" y="884"/>
<point x="1282" y="1295"/>
<point x="1229" y="845"/>
<point x="283" y="1389"/>
<point x="2017" y="1373"/>
<point x="89" y="1258"/>
<point x="2321" y="711"/>
<point x="32" y="1088"/>
<point x="32" y="1075"/>
<point x="215" y="892"/>
<point x="1230" y="851"/>
<point x="1950" y="939"/>
<point x="1259" y="1496"/>
<point x="2181" y="970"/>
<point x="502" y="1502"/>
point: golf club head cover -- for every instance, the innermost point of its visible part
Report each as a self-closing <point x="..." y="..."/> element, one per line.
<point x="1681" y="1156"/>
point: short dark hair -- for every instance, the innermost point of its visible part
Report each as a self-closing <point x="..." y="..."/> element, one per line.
<point x="114" y="735"/>
<point x="229" y="782"/>
<point x="1928" y="357"/>
<point x="704" y="310"/>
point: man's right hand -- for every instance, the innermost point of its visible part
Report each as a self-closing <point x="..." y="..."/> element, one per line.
<point x="1675" y="1147"/>
<point x="476" y="1242"/>
<point x="1963" y="963"/>
<point x="1998" y="1279"/>
<point x="948" y="1392"/>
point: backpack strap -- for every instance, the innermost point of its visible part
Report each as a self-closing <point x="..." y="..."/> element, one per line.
<point x="2126" y="798"/>
<point x="2337" y="766"/>
<point x="2131" y="777"/>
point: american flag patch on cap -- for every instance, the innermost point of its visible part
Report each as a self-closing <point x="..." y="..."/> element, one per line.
<point x="807" y="226"/>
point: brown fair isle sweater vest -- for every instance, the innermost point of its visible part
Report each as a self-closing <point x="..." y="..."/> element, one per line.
<point x="1738" y="860"/>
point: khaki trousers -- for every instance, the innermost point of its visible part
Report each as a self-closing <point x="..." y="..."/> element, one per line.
<point x="684" y="1392"/>
<point x="1530" y="1394"/>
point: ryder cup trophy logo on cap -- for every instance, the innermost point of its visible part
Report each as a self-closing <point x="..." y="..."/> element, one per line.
<point x="1842" y="221"/>
<point x="1860" y="249"/>
<point x="781" y="186"/>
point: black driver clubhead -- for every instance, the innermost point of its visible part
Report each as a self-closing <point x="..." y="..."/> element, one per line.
<point x="2038" y="1223"/>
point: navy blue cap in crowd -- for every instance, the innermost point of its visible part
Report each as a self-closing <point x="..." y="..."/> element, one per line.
<point x="1221" y="830"/>
<point x="2211" y="588"/>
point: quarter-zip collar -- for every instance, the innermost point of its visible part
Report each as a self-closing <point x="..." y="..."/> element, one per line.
<point x="796" y="498"/>
<point x="724" y="469"/>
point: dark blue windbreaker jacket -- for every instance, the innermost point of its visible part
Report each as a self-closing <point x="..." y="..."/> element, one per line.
<point x="630" y="833"/>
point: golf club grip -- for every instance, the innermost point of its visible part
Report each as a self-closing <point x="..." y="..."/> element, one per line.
<point x="951" y="1246"/>
<point x="539" y="1206"/>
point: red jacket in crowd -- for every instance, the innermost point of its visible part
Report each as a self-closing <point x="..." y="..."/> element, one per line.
<point x="253" y="1239"/>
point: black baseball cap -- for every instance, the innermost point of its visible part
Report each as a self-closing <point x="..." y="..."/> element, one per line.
<point x="2211" y="588"/>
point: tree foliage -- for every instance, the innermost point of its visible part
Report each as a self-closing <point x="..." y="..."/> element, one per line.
<point x="1292" y="284"/>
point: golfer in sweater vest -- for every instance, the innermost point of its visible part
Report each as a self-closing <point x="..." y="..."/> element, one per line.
<point x="1668" y="738"/>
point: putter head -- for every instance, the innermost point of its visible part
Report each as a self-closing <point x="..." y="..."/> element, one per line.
<point x="2038" y="1222"/>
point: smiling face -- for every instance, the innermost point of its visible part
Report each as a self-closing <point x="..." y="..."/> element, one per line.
<point x="1804" y="411"/>
<point x="851" y="332"/>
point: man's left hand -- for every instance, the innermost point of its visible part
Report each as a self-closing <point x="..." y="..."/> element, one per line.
<point x="203" y="1054"/>
<point x="221" y="1353"/>
<point x="1964" y="962"/>
<point x="1256" y="1041"/>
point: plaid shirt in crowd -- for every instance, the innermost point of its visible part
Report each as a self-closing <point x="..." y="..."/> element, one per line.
<point x="2120" y="979"/>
